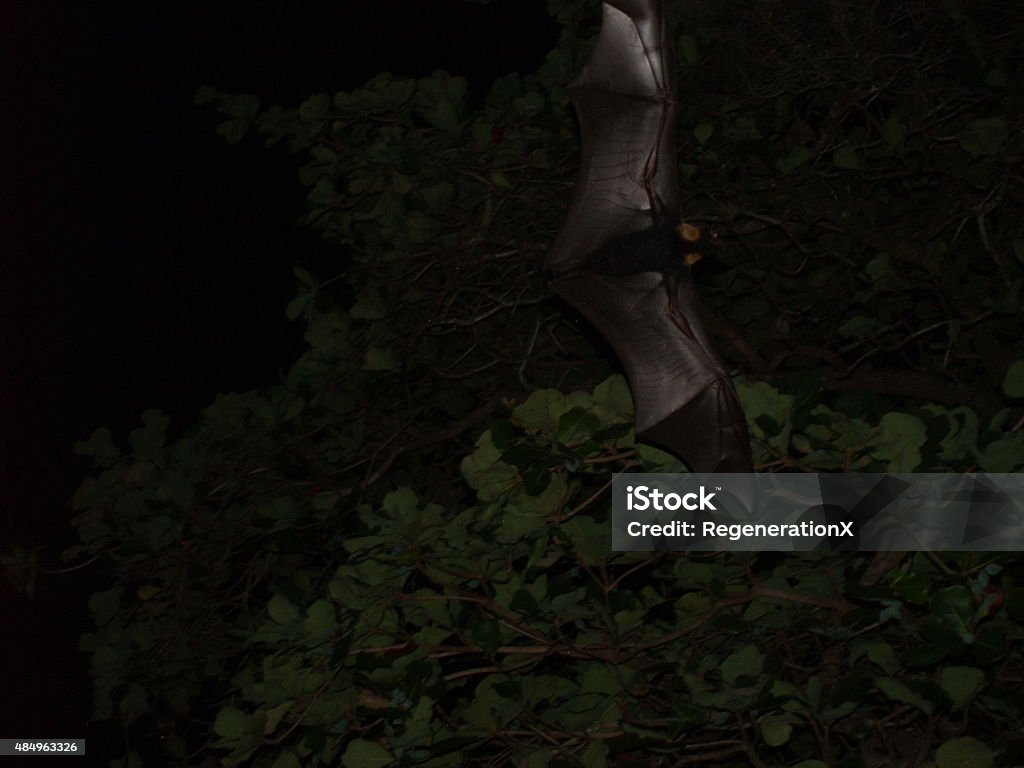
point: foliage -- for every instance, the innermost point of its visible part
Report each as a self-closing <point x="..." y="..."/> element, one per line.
<point x="406" y="633"/>
<point x="306" y="577"/>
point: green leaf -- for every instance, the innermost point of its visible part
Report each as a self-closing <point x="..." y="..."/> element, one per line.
<point x="135" y="703"/>
<point x="286" y="759"/>
<point x="274" y="716"/>
<point x="657" y="460"/>
<point x="985" y="136"/>
<point x="1003" y="455"/>
<point x="548" y="501"/>
<point x="380" y="359"/>
<point x="1013" y="382"/>
<point x="362" y="753"/>
<point x="879" y="653"/>
<point x="279" y="508"/>
<point x="320" y="618"/>
<point x="503" y="434"/>
<point x="576" y="425"/>
<point x="149" y="438"/>
<point x="487" y="634"/>
<point x="328" y="333"/>
<point x="900" y="441"/>
<point x="529" y="103"/>
<point x="602" y="678"/>
<point x="846" y="157"/>
<point x="912" y="587"/>
<point x="148" y="592"/>
<point x="522" y="455"/>
<point x="541" y="411"/>
<point x="776" y="730"/>
<point x="324" y="193"/>
<point x="233" y="131"/>
<point x="421" y="227"/>
<point x="205" y="94"/>
<point x="315" y="108"/>
<point x="899" y="691"/>
<point x="960" y="439"/>
<point x="536" y="478"/>
<point x="325" y="500"/>
<point x="100" y="446"/>
<point x="590" y="539"/>
<point x="952" y="607"/>
<point x="962" y="684"/>
<point x="612" y="396"/>
<point x="400" y="503"/>
<point x="797" y="157"/>
<point x="996" y="78"/>
<point x="703" y="132"/>
<point x="990" y="644"/>
<point x="595" y="754"/>
<point x="857" y="327"/>
<point x="368" y="306"/>
<point x="880" y="270"/>
<point x="485" y="472"/>
<point x="231" y="723"/>
<point x="539" y="758"/>
<point x="297" y="306"/>
<point x="894" y="131"/>
<point x="105" y="605"/>
<point x="443" y="114"/>
<point x="281" y="610"/>
<point x="437" y="197"/>
<point x="746" y="662"/>
<point x="761" y="399"/>
<point x="517" y="525"/>
<point x="964" y="752"/>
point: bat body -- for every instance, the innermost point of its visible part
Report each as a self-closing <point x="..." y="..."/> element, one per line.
<point x="622" y="258"/>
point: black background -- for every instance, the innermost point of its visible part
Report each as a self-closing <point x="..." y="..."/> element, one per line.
<point x="144" y="263"/>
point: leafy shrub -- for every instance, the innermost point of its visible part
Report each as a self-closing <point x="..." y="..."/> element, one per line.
<point x="305" y="576"/>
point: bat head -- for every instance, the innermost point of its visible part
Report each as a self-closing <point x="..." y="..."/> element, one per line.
<point x="696" y="241"/>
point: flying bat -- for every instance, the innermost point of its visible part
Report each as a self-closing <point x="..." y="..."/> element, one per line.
<point x="623" y="257"/>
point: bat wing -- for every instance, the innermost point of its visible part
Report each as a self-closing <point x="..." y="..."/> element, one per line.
<point x="625" y="100"/>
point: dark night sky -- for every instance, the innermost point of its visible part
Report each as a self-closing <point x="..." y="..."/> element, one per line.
<point x="145" y="263"/>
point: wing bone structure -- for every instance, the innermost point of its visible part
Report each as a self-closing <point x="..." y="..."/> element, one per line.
<point x="627" y="186"/>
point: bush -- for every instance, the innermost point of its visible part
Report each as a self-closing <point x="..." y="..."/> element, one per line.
<point x="306" y="576"/>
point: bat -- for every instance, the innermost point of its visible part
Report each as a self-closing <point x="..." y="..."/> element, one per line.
<point x="623" y="256"/>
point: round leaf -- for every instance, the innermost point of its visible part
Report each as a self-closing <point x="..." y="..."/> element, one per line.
<point x="703" y="132"/>
<point x="746" y="662"/>
<point x="281" y="610"/>
<point x="962" y="684"/>
<point x="965" y="752"/>
<point x="231" y="723"/>
<point x="776" y="730"/>
<point x="362" y="753"/>
<point x="1013" y="384"/>
<point x="846" y="157"/>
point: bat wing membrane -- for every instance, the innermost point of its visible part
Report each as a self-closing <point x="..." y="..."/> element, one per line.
<point x="624" y="98"/>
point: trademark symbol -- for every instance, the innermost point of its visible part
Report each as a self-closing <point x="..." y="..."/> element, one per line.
<point x="718" y="487"/>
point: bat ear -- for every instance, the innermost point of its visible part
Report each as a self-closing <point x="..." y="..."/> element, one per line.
<point x="689" y="233"/>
